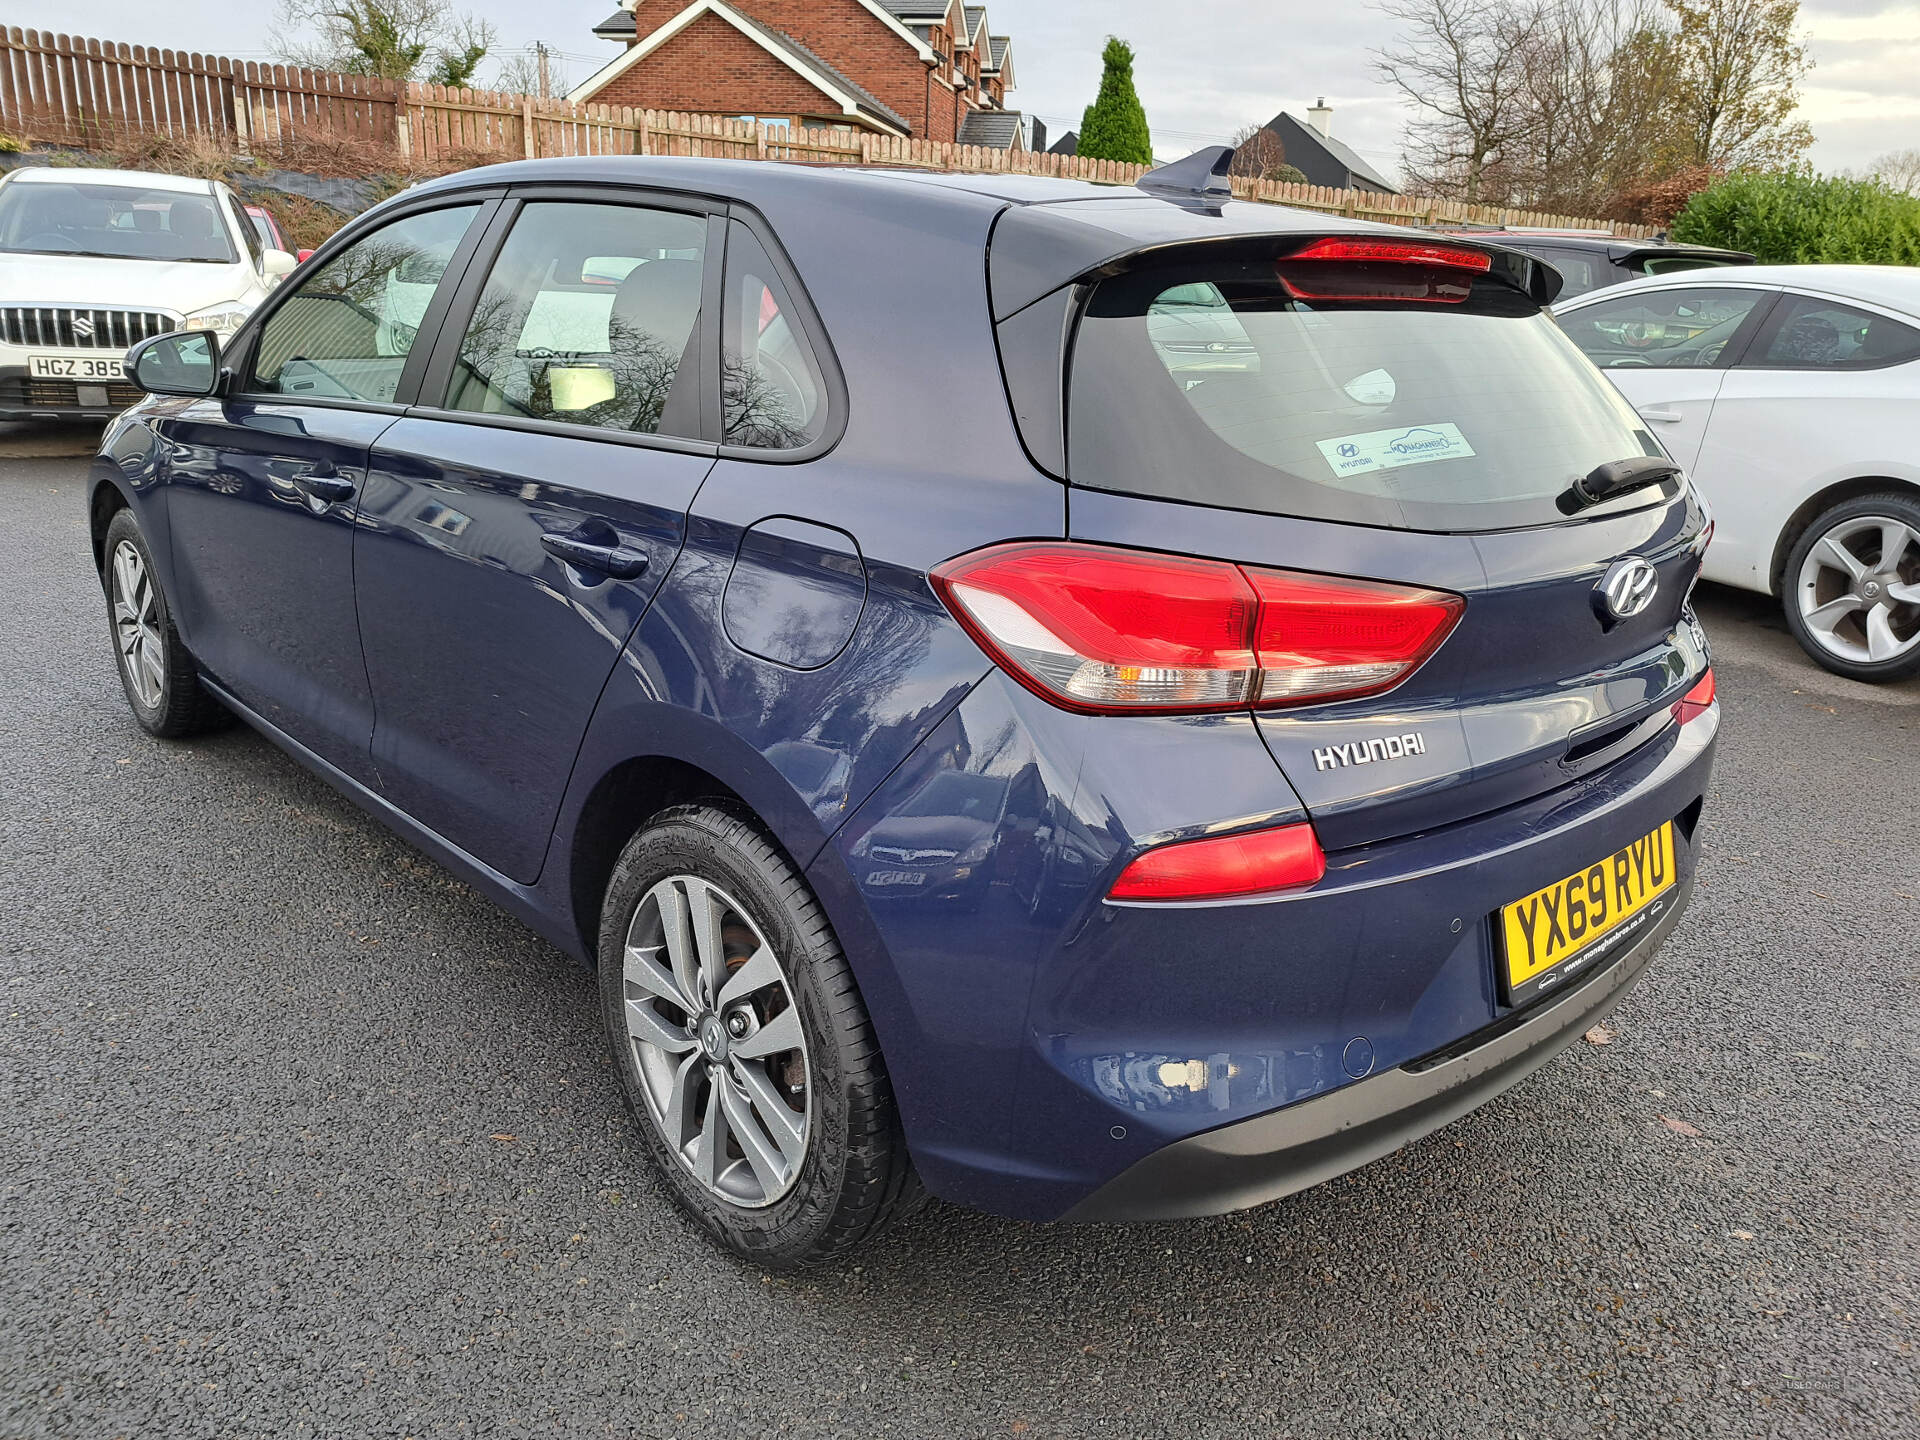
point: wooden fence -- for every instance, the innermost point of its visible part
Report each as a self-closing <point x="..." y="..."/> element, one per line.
<point x="58" y="89"/>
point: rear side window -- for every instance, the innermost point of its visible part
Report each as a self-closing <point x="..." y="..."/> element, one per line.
<point x="586" y="318"/>
<point x="345" y="333"/>
<point x="773" y="395"/>
<point x="1213" y="385"/>
<point x="1583" y="270"/>
<point x="1808" y="333"/>
<point x="1660" y="329"/>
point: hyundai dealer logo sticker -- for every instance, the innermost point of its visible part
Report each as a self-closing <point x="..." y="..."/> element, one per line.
<point x="1628" y="587"/>
<point x="1390" y="449"/>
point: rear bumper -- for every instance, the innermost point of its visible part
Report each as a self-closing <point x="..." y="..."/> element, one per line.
<point x="1276" y="1154"/>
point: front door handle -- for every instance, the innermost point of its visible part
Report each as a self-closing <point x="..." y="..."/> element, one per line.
<point x="328" y="485"/>
<point x="1662" y="417"/>
<point x="622" y="562"/>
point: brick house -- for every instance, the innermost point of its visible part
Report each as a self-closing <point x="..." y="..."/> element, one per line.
<point x="927" y="69"/>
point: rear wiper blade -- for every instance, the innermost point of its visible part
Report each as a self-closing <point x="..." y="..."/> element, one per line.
<point x="1614" y="479"/>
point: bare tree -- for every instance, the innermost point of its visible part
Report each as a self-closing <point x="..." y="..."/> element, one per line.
<point x="1462" y="64"/>
<point x="1899" y="170"/>
<point x="1258" y="153"/>
<point x="1598" y="83"/>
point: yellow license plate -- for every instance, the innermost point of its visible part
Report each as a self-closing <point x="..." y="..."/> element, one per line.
<point x="1558" y="932"/>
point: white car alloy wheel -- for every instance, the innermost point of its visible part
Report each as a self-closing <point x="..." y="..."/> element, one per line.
<point x="716" y="1041"/>
<point x="1858" y="590"/>
<point x="136" y="626"/>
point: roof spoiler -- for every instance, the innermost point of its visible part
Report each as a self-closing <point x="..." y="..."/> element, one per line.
<point x="1202" y="176"/>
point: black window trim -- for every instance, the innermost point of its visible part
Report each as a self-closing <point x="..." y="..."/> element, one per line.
<point x="1777" y="314"/>
<point x="436" y="376"/>
<point x="237" y="361"/>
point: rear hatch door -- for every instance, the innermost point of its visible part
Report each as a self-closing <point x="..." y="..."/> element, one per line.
<point x="1230" y="403"/>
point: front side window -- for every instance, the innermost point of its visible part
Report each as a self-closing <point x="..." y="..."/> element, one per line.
<point x="773" y="395"/>
<point x="345" y="334"/>
<point x="590" y="316"/>
<point x="114" y="222"/>
<point x="1808" y="333"/>
<point x="1213" y="383"/>
<point x="1660" y="329"/>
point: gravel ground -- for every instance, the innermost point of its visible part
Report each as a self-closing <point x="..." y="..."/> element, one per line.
<point x="304" y="1138"/>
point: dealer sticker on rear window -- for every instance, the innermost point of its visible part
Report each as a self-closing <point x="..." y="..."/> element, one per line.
<point x="1390" y="449"/>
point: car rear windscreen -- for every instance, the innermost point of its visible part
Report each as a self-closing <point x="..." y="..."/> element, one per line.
<point x="1212" y="384"/>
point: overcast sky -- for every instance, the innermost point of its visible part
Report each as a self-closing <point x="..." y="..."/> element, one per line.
<point x="1205" y="67"/>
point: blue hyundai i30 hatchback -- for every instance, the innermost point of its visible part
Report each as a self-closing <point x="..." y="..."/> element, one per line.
<point x="1095" y="704"/>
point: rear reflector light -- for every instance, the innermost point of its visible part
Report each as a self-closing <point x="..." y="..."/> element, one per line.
<point x="1348" y="268"/>
<point x="1219" y="868"/>
<point x="1697" y="701"/>
<point x="1103" y="630"/>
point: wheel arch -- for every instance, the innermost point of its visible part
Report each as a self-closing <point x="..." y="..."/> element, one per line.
<point x="1817" y="504"/>
<point x="105" y="500"/>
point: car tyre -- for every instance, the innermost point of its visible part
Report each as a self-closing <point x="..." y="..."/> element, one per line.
<point x="1851" y="588"/>
<point x="850" y="1176"/>
<point x="158" y="674"/>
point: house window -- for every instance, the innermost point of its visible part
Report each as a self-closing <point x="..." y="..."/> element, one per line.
<point x="772" y="122"/>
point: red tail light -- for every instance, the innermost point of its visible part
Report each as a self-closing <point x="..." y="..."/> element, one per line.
<point x="1697" y="701"/>
<point x="1103" y="630"/>
<point x="1221" y="867"/>
<point x="1355" y="268"/>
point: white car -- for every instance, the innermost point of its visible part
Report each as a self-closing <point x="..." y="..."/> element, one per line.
<point x="1792" y="395"/>
<point x="92" y="261"/>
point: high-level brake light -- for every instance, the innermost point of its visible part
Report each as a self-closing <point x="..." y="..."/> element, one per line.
<point x="1343" y="267"/>
<point x="1100" y="630"/>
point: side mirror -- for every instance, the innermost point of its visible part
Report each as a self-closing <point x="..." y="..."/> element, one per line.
<point x="276" y="263"/>
<point x="183" y="362"/>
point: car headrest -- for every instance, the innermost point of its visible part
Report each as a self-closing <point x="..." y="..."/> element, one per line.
<point x="192" y="220"/>
<point x="660" y="300"/>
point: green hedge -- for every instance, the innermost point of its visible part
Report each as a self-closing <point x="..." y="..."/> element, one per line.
<point x="1795" y="217"/>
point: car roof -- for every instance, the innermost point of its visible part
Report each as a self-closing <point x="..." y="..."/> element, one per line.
<point x="748" y="179"/>
<point x="84" y="175"/>
<point x="1059" y="228"/>
<point x="1895" y="286"/>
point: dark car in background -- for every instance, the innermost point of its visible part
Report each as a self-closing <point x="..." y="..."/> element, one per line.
<point x="1592" y="261"/>
<point x="1278" y="620"/>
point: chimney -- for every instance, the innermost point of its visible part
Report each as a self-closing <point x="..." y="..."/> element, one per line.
<point x="1321" y="117"/>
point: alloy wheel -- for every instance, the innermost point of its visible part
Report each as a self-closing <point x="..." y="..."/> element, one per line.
<point x="1858" y="590"/>
<point x="136" y="626"/>
<point x="716" y="1041"/>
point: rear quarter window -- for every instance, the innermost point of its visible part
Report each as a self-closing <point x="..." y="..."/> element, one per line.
<point x="1213" y="385"/>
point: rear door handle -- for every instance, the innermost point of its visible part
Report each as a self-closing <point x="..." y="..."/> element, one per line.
<point x="622" y="562"/>
<point x="1662" y="417"/>
<point x="328" y="485"/>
